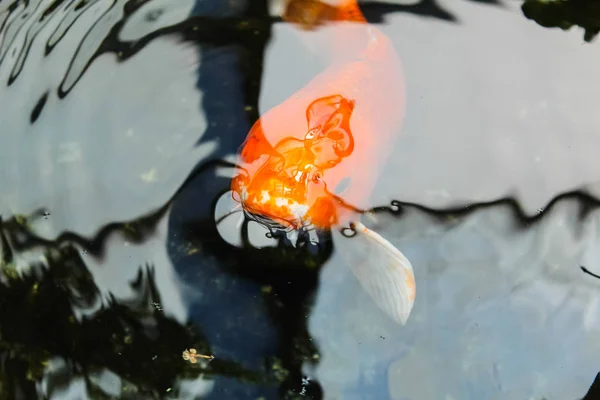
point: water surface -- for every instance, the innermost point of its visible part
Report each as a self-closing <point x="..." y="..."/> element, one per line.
<point x="114" y="116"/>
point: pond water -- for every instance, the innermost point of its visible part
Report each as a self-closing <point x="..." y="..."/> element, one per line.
<point x="119" y="121"/>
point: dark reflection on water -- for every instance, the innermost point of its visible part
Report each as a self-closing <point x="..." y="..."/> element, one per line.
<point x="58" y="328"/>
<point x="53" y="332"/>
<point x="48" y="341"/>
<point x="594" y="391"/>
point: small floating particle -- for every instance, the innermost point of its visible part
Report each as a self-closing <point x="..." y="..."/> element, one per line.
<point x="192" y="355"/>
<point x="69" y="152"/>
<point x="266" y="289"/>
<point x="149" y="176"/>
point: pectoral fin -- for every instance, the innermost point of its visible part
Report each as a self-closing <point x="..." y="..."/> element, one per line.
<point x="383" y="271"/>
<point x="228" y="219"/>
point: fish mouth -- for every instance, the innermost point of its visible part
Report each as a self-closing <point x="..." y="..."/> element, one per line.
<point x="291" y="216"/>
<point x="271" y="222"/>
<point x="291" y="220"/>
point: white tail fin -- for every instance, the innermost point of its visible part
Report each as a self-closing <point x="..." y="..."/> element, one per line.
<point x="383" y="271"/>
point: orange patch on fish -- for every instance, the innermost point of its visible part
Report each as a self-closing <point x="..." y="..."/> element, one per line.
<point x="289" y="185"/>
<point x="412" y="287"/>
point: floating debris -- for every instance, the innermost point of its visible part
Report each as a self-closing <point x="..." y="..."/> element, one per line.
<point x="149" y="176"/>
<point x="192" y="355"/>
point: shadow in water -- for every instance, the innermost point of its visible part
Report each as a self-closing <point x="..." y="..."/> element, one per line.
<point x="253" y="303"/>
<point x="594" y="392"/>
<point x="565" y="14"/>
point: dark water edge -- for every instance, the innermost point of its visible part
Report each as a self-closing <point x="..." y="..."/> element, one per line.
<point x="255" y="305"/>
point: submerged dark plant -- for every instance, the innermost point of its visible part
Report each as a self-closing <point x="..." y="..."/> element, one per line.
<point x="56" y="327"/>
<point x="565" y="14"/>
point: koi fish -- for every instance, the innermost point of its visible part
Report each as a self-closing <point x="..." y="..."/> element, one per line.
<point x="312" y="161"/>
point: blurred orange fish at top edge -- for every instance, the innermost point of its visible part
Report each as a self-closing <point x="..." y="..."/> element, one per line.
<point x="313" y="160"/>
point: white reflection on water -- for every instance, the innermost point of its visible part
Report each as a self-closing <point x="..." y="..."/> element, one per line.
<point x="117" y="147"/>
<point x="501" y="312"/>
<point x="496" y="105"/>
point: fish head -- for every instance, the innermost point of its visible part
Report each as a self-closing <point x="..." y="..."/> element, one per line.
<point x="285" y="196"/>
<point x="329" y="138"/>
<point x="287" y="182"/>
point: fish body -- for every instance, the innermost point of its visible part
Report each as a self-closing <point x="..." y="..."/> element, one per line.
<point x="362" y="91"/>
<point x="313" y="160"/>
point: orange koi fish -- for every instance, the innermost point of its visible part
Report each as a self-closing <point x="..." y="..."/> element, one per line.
<point x="312" y="161"/>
